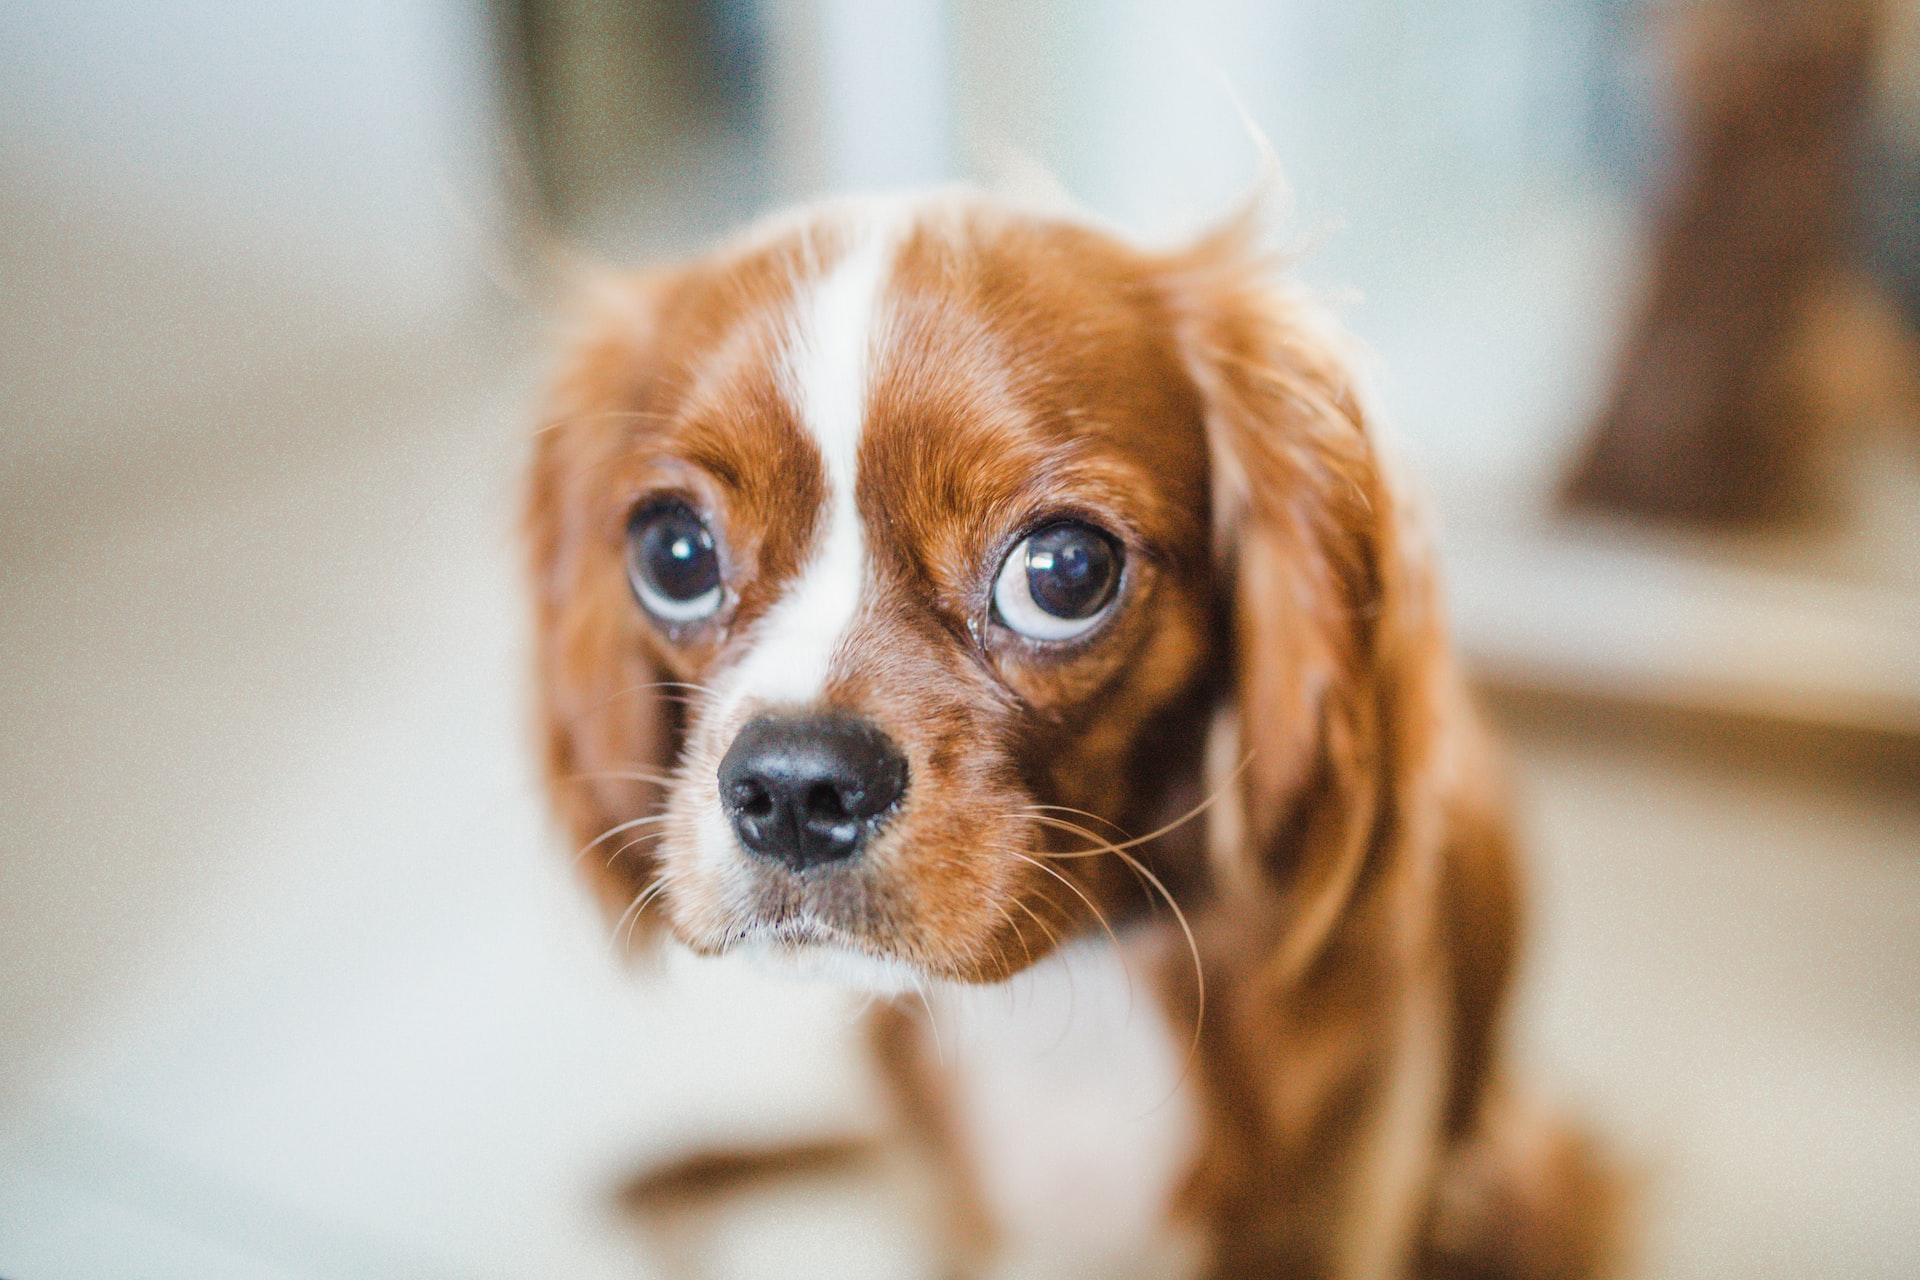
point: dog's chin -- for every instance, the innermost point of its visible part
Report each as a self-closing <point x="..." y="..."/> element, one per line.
<point x="814" y="956"/>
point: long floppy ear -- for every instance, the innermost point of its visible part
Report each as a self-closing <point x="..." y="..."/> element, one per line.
<point x="608" y="727"/>
<point x="1334" y="642"/>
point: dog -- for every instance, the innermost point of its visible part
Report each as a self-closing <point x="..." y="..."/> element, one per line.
<point x="968" y="606"/>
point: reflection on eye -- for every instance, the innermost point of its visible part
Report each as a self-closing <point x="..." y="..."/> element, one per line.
<point x="672" y="564"/>
<point x="1058" y="582"/>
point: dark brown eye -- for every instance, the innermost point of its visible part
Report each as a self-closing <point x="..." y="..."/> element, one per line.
<point x="1058" y="581"/>
<point x="672" y="564"/>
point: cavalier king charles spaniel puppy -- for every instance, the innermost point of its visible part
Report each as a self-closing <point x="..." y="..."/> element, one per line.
<point x="965" y="605"/>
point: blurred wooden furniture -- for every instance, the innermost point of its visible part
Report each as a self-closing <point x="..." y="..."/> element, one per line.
<point x="1711" y="420"/>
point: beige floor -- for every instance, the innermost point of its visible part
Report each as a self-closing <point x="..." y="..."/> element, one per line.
<point x="1727" y="976"/>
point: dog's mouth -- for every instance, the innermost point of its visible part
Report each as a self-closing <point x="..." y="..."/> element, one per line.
<point x="898" y="913"/>
<point x="810" y="949"/>
<point x="796" y="933"/>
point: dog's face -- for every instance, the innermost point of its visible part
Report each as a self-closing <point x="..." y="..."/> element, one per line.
<point x="877" y="552"/>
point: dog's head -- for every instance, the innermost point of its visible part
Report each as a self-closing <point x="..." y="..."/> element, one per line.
<point x="897" y="556"/>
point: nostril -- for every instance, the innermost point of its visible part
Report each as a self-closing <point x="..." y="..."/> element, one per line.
<point x="824" y="802"/>
<point x="752" y="799"/>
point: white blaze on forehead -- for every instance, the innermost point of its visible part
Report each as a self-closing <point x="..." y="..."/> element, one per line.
<point x="829" y="358"/>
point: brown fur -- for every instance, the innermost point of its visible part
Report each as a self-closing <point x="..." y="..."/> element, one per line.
<point x="1194" y="407"/>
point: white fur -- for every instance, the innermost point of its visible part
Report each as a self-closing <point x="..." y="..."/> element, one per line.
<point x="831" y="344"/>
<point x="1077" y="1114"/>
<point x="836" y="966"/>
<point x="714" y="842"/>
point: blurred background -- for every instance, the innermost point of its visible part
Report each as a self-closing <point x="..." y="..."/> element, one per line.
<point x="294" y="981"/>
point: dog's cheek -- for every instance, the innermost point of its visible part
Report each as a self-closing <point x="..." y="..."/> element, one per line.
<point x="958" y="862"/>
<point x="701" y="868"/>
<point x="1082" y="750"/>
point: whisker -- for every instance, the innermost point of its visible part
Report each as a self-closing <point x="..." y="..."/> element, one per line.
<point x="615" y="830"/>
<point x="1015" y="927"/>
<point x="1077" y="892"/>
<point x="1047" y="900"/>
<point x="652" y="896"/>
<point x="1193" y="946"/>
<point x="1113" y="940"/>
<point x="1157" y="832"/>
<point x="631" y="916"/>
<point x="633" y="843"/>
<point x="1052" y="937"/>
<point x="1199" y="973"/>
<point x="1099" y="847"/>
<point x="623" y="775"/>
<point x="699" y="689"/>
<point x="599" y="415"/>
<point x="933" y="1023"/>
<point x="1067" y="808"/>
<point x="1105" y="846"/>
<point x="1126" y="970"/>
<point x="860" y="1012"/>
<point x="1073" y="990"/>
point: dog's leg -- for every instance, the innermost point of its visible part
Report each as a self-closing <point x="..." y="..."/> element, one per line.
<point x="900" y="1049"/>
<point x="676" y="1203"/>
<point x="1524" y="1198"/>
<point x="1518" y="1195"/>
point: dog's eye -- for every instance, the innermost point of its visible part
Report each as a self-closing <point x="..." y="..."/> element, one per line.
<point x="672" y="563"/>
<point x="1058" y="581"/>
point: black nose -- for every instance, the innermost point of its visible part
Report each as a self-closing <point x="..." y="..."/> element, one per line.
<point x="806" y="790"/>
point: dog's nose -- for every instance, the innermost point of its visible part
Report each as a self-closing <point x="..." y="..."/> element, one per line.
<point x="807" y="790"/>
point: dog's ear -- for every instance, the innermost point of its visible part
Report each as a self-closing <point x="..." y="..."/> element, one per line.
<point x="1330" y="620"/>
<point x="607" y="726"/>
